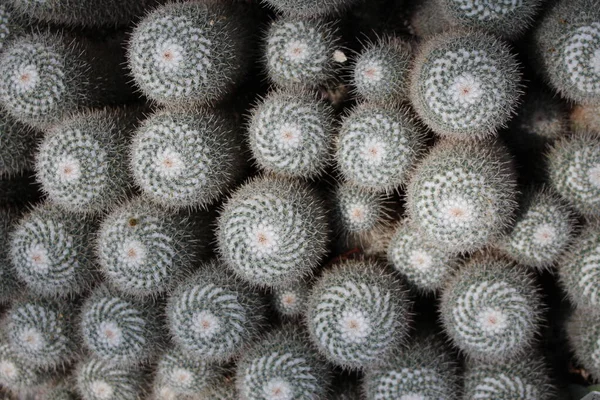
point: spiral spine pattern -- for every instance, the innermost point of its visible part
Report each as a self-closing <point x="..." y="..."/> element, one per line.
<point x="291" y="301"/>
<point x="101" y="380"/>
<point x="16" y="373"/>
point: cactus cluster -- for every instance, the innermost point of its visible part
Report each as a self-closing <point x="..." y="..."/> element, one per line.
<point x="101" y="380"/>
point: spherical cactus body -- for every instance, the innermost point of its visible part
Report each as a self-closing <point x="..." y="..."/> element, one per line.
<point x="52" y="252"/>
<point x="308" y="8"/>
<point x="465" y="85"/>
<point x="272" y="231"/>
<point x="190" y="52"/>
<point x="583" y="333"/>
<point x="291" y="301"/>
<point x="16" y="374"/>
<point x="357" y="314"/>
<point x="101" y="380"/>
<point x="462" y="195"/>
<point x="9" y="283"/>
<point x="17" y="143"/>
<point x="491" y="309"/>
<point x="214" y="315"/>
<point x="377" y="147"/>
<point x="291" y="134"/>
<point x="185" y="158"/>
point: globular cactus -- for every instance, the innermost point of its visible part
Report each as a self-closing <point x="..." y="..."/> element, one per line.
<point x="308" y="8"/>
<point x="585" y="117"/>
<point x="465" y="85"/>
<point x="41" y="332"/>
<point x="423" y="370"/>
<point x="542" y="231"/>
<point x="119" y="329"/>
<point x="380" y="71"/>
<point x="377" y="146"/>
<point x="462" y="195"/>
<point x="583" y="334"/>
<point x="301" y="52"/>
<point x="82" y="161"/>
<point x="17" y="374"/>
<point x="101" y="380"/>
<point x="291" y="134"/>
<point x="291" y="301"/>
<point x="574" y="171"/>
<point x="567" y="47"/>
<point x="521" y="378"/>
<point x="9" y="25"/>
<point x="142" y="247"/>
<point x="9" y="283"/>
<point x="358" y="314"/>
<point x="51" y="250"/>
<point x="188" y="52"/>
<point x="214" y="315"/>
<point x="491" y="309"/>
<point x="272" y="231"/>
<point x="283" y="365"/>
<point x="424" y="265"/>
<point x="17" y="143"/>
<point x="185" y="158"/>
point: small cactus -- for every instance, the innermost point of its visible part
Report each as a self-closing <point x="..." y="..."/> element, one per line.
<point x="17" y="143"/>
<point x="358" y="211"/>
<point x="309" y="8"/>
<point x="291" y="301"/>
<point x="16" y="373"/>
<point x="101" y="380"/>
<point x="9" y="284"/>
<point x="583" y="334"/>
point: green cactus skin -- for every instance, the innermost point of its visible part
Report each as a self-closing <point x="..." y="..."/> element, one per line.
<point x="377" y="146"/>
<point x="9" y="284"/>
<point x="82" y="162"/>
<point x="215" y="315"/>
<point x="308" y="8"/>
<point x="188" y="52"/>
<point x="422" y="264"/>
<point x="291" y="134"/>
<point x="186" y="158"/>
<point x="300" y="52"/>
<point x="423" y="370"/>
<point x="283" y="365"/>
<point x="17" y="374"/>
<point x="100" y="380"/>
<point x="585" y="118"/>
<point x="291" y="301"/>
<point x="380" y="72"/>
<point x="41" y="332"/>
<point x="142" y="247"/>
<point x="542" y="231"/>
<point x="358" y="211"/>
<point x="521" y="378"/>
<point x="272" y="231"/>
<point x="118" y="329"/>
<point x="52" y="252"/>
<point x="574" y="171"/>
<point x="567" y="43"/>
<point x="17" y="143"/>
<point x="465" y="85"/>
<point x="583" y="334"/>
<point x="491" y="309"/>
<point x="358" y="314"/>
<point x="462" y="195"/>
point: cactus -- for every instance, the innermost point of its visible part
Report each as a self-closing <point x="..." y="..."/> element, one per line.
<point x="141" y="247"/>
<point x="309" y="8"/>
<point x="272" y="231"/>
<point x="82" y="162"/>
<point x="380" y="72"/>
<point x="291" y="134"/>
<point x="9" y="25"/>
<point x="585" y="118"/>
<point x="462" y="195"/>
<point x="185" y="158"/>
<point x="465" y="85"/>
<point x="119" y="329"/>
<point x="17" y="142"/>
<point x="101" y="380"/>
<point x="491" y="309"/>
<point x="214" y="315"/>
<point x="583" y="334"/>
<point x="423" y="370"/>
<point x="357" y="314"/>
<point x="52" y="252"/>
<point x="290" y="301"/>
<point x="188" y="52"/>
<point x="377" y="147"/>
<point x="567" y="44"/>
<point x="9" y="284"/>
<point x="574" y="171"/>
<point x="423" y="265"/>
<point x="300" y="52"/>
<point x="17" y="374"/>
<point x="542" y="231"/>
<point x="282" y="365"/>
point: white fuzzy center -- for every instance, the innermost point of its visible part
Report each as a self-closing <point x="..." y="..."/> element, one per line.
<point x="290" y="136"/>
<point x="466" y="89"/>
<point x="296" y="51"/>
<point x="372" y="72"/>
<point x="168" y="56"/>
<point x="133" y="253"/>
<point x="354" y="326"/>
<point x="206" y="324"/>
<point x="111" y="333"/>
<point x="101" y="389"/>
<point x="544" y="234"/>
<point x="8" y="370"/>
<point x="169" y="163"/>
<point x="289" y="299"/>
<point x="32" y="339"/>
<point x="374" y="151"/>
<point x="493" y="321"/>
<point x="420" y="260"/>
<point x="357" y="213"/>
<point x="182" y="376"/>
<point x="68" y="169"/>
<point x="278" y="389"/>
<point x="39" y="258"/>
<point x="594" y="175"/>
<point x="263" y="239"/>
<point x="27" y="78"/>
<point x="457" y="210"/>
<point x="413" y="396"/>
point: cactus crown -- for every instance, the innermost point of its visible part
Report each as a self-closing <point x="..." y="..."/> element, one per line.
<point x="357" y="210"/>
<point x="101" y="380"/>
<point x="16" y="373"/>
<point x="290" y="301"/>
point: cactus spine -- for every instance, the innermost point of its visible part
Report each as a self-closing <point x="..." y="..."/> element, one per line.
<point x="101" y="380"/>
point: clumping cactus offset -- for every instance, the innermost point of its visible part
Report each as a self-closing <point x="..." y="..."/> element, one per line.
<point x="491" y="309"/>
<point x="300" y="52"/>
<point x="358" y="314"/>
<point x="119" y="329"/>
<point x="52" y="252"/>
<point x="17" y="144"/>
<point x="17" y="374"/>
<point x="567" y="44"/>
<point x="82" y="161"/>
<point x="574" y="171"/>
<point x="465" y="85"/>
<point x="273" y="231"/>
<point x="358" y="212"/>
<point x="291" y="301"/>
<point x="423" y="370"/>
<point x="215" y="315"/>
<point x="9" y="284"/>
<point x="291" y="134"/>
<point x="101" y="380"/>
<point x="462" y="195"/>
<point x="424" y="265"/>
<point x="309" y="8"/>
<point x="583" y="334"/>
<point x="377" y="146"/>
<point x="188" y="52"/>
